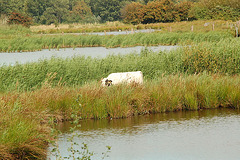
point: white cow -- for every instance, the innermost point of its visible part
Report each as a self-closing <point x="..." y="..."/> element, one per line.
<point x="123" y="77"/>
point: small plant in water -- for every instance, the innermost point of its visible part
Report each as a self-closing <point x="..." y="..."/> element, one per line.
<point x="76" y="154"/>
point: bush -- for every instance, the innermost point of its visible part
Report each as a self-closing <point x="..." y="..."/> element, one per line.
<point x="17" y="18"/>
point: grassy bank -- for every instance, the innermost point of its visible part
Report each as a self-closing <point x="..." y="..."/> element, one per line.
<point x="25" y="116"/>
<point x="38" y="42"/>
<point x="217" y="57"/>
<point x="19" y="39"/>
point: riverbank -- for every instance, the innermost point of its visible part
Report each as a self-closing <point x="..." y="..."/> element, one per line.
<point x="27" y="116"/>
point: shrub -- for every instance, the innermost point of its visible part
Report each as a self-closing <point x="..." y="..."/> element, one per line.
<point x="17" y="18"/>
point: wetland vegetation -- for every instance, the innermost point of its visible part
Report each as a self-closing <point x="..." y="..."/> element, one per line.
<point x="34" y="96"/>
<point x="202" y="74"/>
<point x="26" y="116"/>
<point x="21" y="39"/>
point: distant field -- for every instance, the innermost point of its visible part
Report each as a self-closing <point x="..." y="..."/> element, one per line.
<point x="199" y="26"/>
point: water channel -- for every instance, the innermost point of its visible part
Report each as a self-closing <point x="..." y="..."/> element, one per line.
<point x="185" y="135"/>
<point x="95" y="52"/>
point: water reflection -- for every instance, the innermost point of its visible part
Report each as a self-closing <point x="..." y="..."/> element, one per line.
<point x="206" y="134"/>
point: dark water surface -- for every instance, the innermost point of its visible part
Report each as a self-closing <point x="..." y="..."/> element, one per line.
<point x="186" y="135"/>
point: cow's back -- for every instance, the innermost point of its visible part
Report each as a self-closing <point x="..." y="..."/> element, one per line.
<point x="126" y="77"/>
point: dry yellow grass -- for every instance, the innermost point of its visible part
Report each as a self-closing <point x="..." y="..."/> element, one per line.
<point x="75" y="26"/>
<point x="200" y="25"/>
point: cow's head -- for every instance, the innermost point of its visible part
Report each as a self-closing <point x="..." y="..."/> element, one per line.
<point x="108" y="82"/>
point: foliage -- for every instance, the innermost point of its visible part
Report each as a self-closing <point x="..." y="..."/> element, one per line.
<point x="146" y="11"/>
<point x="55" y="12"/>
<point x="156" y="11"/>
<point x="17" y="18"/>
<point x="159" y="11"/>
<point x="108" y="10"/>
<point x="80" y="12"/>
<point x="36" y="8"/>
<point x="214" y="9"/>
<point x="183" y="9"/>
<point x="133" y="13"/>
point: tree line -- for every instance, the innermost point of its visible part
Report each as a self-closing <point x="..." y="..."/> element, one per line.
<point x="128" y="11"/>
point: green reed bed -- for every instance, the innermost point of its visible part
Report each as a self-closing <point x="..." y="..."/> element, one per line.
<point x="216" y="57"/>
<point x="24" y="116"/>
<point x="9" y="32"/>
<point x="38" y="42"/>
<point x="22" y="136"/>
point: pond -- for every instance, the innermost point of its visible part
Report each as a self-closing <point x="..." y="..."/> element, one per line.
<point x="95" y="52"/>
<point x="185" y="135"/>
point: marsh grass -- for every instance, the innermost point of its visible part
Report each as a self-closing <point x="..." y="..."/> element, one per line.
<point x="22" y="136"/>
<point x="12" y="31"/>
<point x="39" y="42"/>
<point x="215" y="57"/>
<point x="25" y="115"/>
<point x="34" y="96"/>
<point x="19" y="39"/>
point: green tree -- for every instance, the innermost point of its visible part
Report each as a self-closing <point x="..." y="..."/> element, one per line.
<point x="108" y="10"/>
<point x="159" y="11"/>
<point x="217" y="9"/>
<point x="182" y="10"/>
<point x="9" y="6"/>
<point x="56" y="12"/>
<point x="3" y="6"/>
<point x="80" y="12"/>
<point x="36" y="8"/>
<point x="132" y="13"/>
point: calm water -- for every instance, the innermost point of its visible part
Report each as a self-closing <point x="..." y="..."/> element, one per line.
<point x="96" y="52"/>
<point x="198" y="135"/>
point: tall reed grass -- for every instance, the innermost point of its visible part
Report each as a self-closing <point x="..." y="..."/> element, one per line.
<point x="216" y="57"/>
<point x="33" y="96"/>
<point x="22" y="136"/>
<point x="25" y="115"/>
<point x="38" y="42"/>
